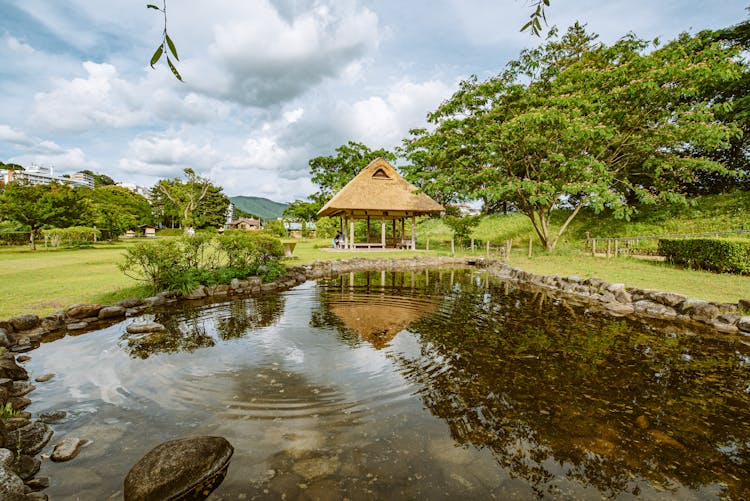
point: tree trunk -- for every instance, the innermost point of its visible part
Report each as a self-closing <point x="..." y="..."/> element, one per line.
<point x="32" y="244"/>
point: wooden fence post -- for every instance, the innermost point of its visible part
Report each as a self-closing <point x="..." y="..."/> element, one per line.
<point x="531" y="243"/>
<point x="427" y="245"/>
<point x="593" y="247"/>
<point x="453" y="248"/>
<point x="488" y="248"/>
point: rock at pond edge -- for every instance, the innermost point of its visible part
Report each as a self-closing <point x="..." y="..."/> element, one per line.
<point x="174" y="468"/>
<point x="144" y="328"/>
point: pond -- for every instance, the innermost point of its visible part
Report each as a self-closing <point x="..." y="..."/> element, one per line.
<point x="392" y="385"/>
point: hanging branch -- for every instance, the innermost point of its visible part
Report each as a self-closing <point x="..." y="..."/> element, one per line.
<point x="536" y="17"/>
<point x="167" y="46"/>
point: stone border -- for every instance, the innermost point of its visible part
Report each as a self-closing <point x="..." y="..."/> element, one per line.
<point x="620" y="300"/>
<point x="25" y="332"/>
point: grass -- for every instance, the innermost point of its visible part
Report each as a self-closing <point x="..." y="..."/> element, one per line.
<point x="48" y="280"/>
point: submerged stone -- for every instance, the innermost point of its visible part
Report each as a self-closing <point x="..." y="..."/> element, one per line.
<point x="144" y="328"/>
<point x="189" y="467"/>
<point x="67" y="449"/>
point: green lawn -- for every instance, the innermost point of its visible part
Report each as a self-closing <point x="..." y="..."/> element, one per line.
<point x="48" y="280"/>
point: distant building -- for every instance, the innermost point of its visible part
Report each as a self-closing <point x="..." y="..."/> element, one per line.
<point x="466" y="209"/>
<point x="230" y="216"/>
<point x="139" y="190"/>
<point x="294" y="229"/>
<point x="40" y="174"/>
<point x="246" y="223"/>
<point x="83" y="179"/>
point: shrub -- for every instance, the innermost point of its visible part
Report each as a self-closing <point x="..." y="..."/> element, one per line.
<point x="152" y="262"/>
<point x="184" y="264"/>
<point x="724" y="255"/>
<point x="74" y="235"/>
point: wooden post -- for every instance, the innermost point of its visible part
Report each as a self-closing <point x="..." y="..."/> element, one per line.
<point x="382" y="232"/>
<point x="531" y="243"/>
<point x="617" y="244"/>
<point x="414" y="233"/>
<point x="472" y="246"/>
<point x="593" y="247"/>
<point x="368" y="230"/>
<point x="453" y="248"/>
<point x="488" y="248"/>
<point x="351" y="234"/>
<point x="609" y="248"/>
<point x="427" y="244"/>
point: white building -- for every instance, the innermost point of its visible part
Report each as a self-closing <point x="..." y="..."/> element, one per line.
<point x="140" y="190"/>
<point x="40" y="174"/>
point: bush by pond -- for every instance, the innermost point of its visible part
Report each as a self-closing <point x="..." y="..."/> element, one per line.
<point x="185" y="263"/>
<point x="725" y="255"/>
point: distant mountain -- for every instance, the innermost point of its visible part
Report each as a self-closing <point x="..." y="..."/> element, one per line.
<point x="262" y="207"/>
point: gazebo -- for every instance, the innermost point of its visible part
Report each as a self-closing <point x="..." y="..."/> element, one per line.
<point x="379" y="193"/>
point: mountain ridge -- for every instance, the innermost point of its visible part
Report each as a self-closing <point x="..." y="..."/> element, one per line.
<point x="259" y="206"/>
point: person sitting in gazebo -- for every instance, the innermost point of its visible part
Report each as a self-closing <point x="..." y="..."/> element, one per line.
<point x="338" y="239"/>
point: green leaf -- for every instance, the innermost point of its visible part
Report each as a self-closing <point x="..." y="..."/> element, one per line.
<point x="152" y="6"/>
<point x="174" y="70"/>
<point x="526" y="26"/>
<point x="157" y="55"/>
<point x="172" y="48"/>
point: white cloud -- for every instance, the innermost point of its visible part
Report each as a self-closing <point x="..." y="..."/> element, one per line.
<point x="152" y="158"/>
<point x="260" y="57"/>
<point x="13" y="136"/>
<point x="384" y="120"/>
<point x="100" y="99"/>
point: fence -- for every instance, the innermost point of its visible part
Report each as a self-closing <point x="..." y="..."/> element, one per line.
<point x="632" y="245"/>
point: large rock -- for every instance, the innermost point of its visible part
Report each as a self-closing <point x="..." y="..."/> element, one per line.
<point x="111" y="312"/>
<point x="743" y="324"/>
<point x="177" y="468"/>
<point x="700" y="311"/>
<point x="53" y="322"/>
<point x="11" y="485"/>
<point x="667" y="298"/>
<point x="130" y="302"/>
<point x="198" y="293"/>
<point x="654" y="309"/>
<point x="11" y="370"/>
<point x="145" y="327"/>
<point x="4" y="339"/>
<point x="24" y="322"/>
<point x="31" y="438"/>
<point x="83" y="310"/>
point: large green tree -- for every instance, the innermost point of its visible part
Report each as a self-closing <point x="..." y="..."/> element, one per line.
<point x="331" y="173"/>
<point x="577" y="123"/>
<point x="186" y="196"/>
<point x="37" y="206"/>
<point x="115" y="209"/>
<point x="195" y="201"/>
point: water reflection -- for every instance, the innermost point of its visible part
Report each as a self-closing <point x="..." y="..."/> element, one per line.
<point x="555" y="392"/>
<point x="374" y="306"/>
<point x="189" y="327"/>
<point x="439" y="385"/>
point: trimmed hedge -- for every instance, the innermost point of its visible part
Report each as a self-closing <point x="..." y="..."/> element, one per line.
<point x="725" y="255"/>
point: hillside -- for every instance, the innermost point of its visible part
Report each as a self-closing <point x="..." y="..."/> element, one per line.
<point x="262" y="207"/>
<point x="703" y="214"/>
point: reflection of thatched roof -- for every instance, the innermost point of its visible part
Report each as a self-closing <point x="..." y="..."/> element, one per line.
<point x="378" y="323"/>
<point x="379" y="187"/>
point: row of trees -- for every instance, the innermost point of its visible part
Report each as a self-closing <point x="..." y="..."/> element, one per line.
<point x="578" y="123"/>
<point x="193" y="201"/>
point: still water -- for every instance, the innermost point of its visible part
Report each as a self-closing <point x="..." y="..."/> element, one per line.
<point x="428" y="385"/>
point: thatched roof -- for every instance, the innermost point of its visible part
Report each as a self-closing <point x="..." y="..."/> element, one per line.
<point x="380" y="188"/>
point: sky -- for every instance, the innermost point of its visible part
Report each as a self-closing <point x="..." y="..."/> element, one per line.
<point x="268" y="84"/>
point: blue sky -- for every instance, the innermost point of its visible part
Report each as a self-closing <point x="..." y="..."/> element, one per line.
<point x="269" y="84"/>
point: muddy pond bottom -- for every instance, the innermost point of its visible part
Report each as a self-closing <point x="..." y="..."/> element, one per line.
<point x="392" y="385"/>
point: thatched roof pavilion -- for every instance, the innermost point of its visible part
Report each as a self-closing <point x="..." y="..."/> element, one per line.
<point x="379" y="192"/>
